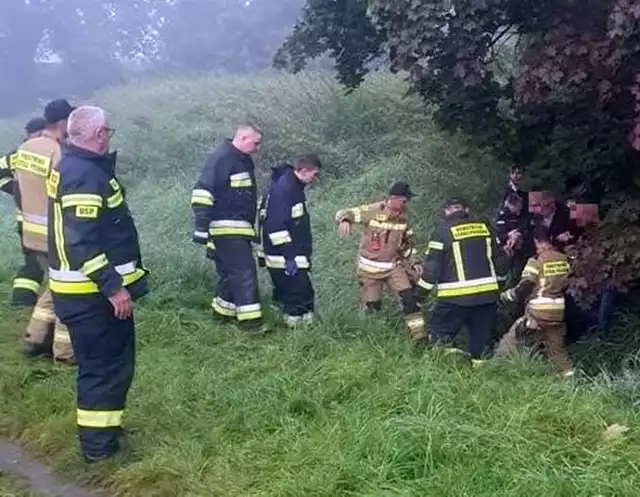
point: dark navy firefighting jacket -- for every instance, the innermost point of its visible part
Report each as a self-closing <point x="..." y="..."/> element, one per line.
<point x="92" y="239"/>
<point x="286" y="228"/>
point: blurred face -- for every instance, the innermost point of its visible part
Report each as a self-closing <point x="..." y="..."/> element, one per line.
<point x="515" y="176"/>
<point x="249" y="142"/>
<point x="103" y="138"/>
<point x="396" y="204"/>
<point x="307" y="175"/>
<point x="547" y="207"/>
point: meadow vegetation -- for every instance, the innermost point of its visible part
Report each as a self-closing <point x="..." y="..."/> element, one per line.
<point x="345" y="408"/>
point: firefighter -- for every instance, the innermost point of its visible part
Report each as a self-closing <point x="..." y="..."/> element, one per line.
<point x="28" y="279"/>
<point x="465" y="266"/>
<point x="96" y="274"/>
<point x="543" y="283"/>
<point x="382" y="250"/>
<point x="32" y="164"/>
<point x="287" y="240"/>
<point x="513" y="227"/>
<point x="224" y="202"/>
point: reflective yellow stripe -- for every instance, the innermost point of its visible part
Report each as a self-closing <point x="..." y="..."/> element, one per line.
<point x="297" y="211"/>
<point x="457" y="259"/>
<point x="58" y="232"/>
<point x="278" y="261"/>
<point x="26" y="284"/>
<point x="232" y="231"/>
<point x="201" y="197"/>
<point x="435" y="246"/>
<point x="240" y="180"/>
<point x="99" y="419"/>
<point x="490" y="257"/>
<point x="89" y="287"/>
<point x="424" y="284"/>
<point x="465" y="291"/>
<point x="388" y="226"/>
<point x="248" y="312"/>
<point x="280" y="237"/>
<point x="223" y="307"/>
<point x="115" y="200"/>
<point x="75" y="199"/>
<point x="95" y="264"/>
<point x="34" y="228"/>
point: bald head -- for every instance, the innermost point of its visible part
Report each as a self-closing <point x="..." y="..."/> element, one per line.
<point x="248" y="139"/>
<point x="88" y="128"/>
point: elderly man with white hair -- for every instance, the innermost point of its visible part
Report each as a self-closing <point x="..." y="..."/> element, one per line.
<point x="95" y="275"/>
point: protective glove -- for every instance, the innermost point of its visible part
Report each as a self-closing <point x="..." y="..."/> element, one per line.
<point x="290" y="267"/>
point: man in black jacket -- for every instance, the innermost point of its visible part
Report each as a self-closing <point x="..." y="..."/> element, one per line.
<point x="224" y="202"/>
<point x="287" y="239"/>
<point x="95" y="275"/>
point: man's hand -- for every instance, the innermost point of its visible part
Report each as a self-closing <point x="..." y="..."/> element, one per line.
<point x="506" y="297"/>
<point x="290" y="267"/>
<point x="344" y="228"/>
<point x="122" y="304"/>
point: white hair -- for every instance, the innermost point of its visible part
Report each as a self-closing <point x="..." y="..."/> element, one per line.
<point x="84" y="122"/>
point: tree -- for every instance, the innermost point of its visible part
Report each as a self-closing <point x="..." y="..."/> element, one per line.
<point x="569" y="105"/>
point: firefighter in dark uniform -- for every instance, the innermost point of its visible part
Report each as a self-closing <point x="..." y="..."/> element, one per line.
<point x="543" y="284"/>
<point x="26" y="284"/>
<point x="465" y="267"/>
<point x="95" y="275"/>
<point x="224" y="202"/>
<point x="287" y="239"/>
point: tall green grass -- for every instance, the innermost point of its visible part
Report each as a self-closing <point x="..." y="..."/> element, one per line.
<point x="345" y="408"/>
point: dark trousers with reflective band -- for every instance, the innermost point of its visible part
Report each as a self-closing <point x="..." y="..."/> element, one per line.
<point x="105" y="352"/>
<point x="295" y="295"/>
<point x="448" y="318"/>
<point x="237" y="286"/>
<point x="26" y="284"/>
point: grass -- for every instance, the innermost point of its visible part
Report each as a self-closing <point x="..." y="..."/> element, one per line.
<point x="343" y="409"/>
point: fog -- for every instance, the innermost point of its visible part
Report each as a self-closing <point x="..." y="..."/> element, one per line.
<point x="71" y="48"/>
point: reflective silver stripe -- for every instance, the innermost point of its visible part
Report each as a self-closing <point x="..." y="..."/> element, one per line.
<point x="297" y="210"/>
<point x="278" y="261"/>
<point x="78" y="276"/>
<point x="376" y="264"/>
<point x="293" y="320"/>
<point x="547" y="300"/>
<point x="35" y="219"/>
<point x="467" y="283"/>
<point x="229" y="223"/>
<point x="225" y="304"/>
<point x="248" y="308"/>
<point x="202" y="193"/>
<point x="239" y="176"/>
<point x="201" y="234"/>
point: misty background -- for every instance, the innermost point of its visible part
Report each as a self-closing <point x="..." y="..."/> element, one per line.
<point x="71" y="48"/>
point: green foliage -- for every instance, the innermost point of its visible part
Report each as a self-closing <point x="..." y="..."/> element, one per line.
<point x="567" y="103"/>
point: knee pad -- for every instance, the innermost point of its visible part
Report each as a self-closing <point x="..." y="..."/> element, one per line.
<point x="409" y="301"/>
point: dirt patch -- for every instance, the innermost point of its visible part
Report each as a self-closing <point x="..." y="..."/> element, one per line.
<point x="37" y="476"/>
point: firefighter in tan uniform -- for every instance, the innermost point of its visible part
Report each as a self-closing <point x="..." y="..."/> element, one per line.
<point x="32" y="163"/>
<point x="543" y="283"/>
<point x="384" y="251"/>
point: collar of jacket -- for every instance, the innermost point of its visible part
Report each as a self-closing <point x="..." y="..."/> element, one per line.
<point x="455" y="216"/>
<point x="105" y="161"/>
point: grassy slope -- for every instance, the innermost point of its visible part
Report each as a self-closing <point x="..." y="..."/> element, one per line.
<point x="345" y="409"/>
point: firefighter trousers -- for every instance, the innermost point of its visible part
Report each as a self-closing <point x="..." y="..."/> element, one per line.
<point x="45" y="329"/>
<point x="448" y="318"/>
<point x="549" y="334"/>
<point x="105" y="353"/>
<point x="237" y="286"/>
<point x="295" y="295"/>
<point x="399" y="283"/>
<point x="27" y="282"/>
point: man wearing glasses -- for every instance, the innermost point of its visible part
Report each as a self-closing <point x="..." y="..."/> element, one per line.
<point x="95" y="275"/>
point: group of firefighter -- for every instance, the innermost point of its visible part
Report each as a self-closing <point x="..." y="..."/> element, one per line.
<point x="466" y="264"/>
<point x="83" y="267"/>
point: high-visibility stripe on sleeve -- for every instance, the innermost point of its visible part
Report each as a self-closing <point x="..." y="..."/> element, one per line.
<point x="435" y="245"/>
<point x="423" y="284"/>
<point x="95" y="264"/>
<point x="26" y="284"/>
<point x="280" y="237"/>
<point x="115" y="200"/>
<point x="76" y="199"/>
<point x="58" y="232"/>
<point x="200" y="196"/>
<point x="240" y="180"/>
<point x="99" y="419"/>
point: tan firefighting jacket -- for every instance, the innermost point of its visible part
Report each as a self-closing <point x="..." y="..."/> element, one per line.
<point x="543" y="284"/>
<point x="32" y="163"/>
<point x="386" y="240"/>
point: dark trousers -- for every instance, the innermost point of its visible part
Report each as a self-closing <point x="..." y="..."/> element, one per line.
<point x="26" y="284"/>
<point x="295" y="295"/>
<point x="104" y="349"/>
<point x="447" y="319"/>
<point x="237" y="286"/>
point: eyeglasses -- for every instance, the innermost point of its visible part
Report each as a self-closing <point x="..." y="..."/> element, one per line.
<point x="110" y="131"/>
